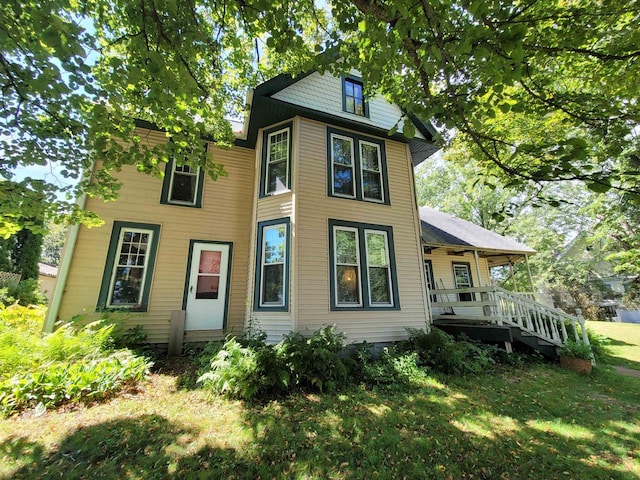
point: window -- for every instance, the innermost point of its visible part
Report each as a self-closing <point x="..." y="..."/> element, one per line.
<point x="362" y="266"/>
<point x="272" y="266"/>
<point x="276" y="164"/>
<point x="353" y="97"/>
<point x="462" y="278"/>
<point x="182" y="185"/>
<point x="431" y="284"/>
<point x="126" y="281"/>
<point x="357" y="167"/>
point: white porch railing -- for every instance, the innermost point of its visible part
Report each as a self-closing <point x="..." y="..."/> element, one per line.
<point x="502" y="307"/>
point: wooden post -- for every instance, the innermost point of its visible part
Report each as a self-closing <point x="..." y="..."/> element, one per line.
<point x="475" y="255"/>
<point x="513" y="277"/>
<point x="526" y="260"/>
<point x="176" y="332"/>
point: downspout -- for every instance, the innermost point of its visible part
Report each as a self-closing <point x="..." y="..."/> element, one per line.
<point x="63" y="271"/>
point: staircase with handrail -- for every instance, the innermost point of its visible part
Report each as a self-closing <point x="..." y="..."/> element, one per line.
<point x="540" y="326"/>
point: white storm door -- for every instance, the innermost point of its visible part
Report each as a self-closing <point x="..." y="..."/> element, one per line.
<point x="207" y="287"/>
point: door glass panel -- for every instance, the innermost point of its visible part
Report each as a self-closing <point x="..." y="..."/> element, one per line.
<point x="208" y="284"/>
<point x="210" y="261"/>
<point x="208" y="287"/>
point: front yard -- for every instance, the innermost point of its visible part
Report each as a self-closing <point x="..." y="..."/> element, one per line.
<point x="534" y="421"/>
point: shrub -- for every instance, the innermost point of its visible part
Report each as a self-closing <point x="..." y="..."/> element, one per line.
<point x="84" y="380"/>
<point x="25" y="293"/>
<point x="391" y="370"/>
<point x="249" y="368"/>
<point x="245" y="372"/>
<point x="315" y="362"/>
<point x="442" y="353"/>
<point x="576" y="350"/>
<point x="72" y="364"/>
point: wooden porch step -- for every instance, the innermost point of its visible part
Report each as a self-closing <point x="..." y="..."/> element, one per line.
<point x="465" y="318"/>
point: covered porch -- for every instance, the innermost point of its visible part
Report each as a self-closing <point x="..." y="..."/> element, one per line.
<point x="458" y="258"/>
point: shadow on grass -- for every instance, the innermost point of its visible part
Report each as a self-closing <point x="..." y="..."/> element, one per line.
<point x="500" y="428"/>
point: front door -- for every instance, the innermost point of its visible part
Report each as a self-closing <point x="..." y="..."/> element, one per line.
<point x="207" y="286"/>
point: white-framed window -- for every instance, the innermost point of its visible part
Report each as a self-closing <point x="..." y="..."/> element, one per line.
<point x="343" y="166"/>
<point x="277" y="161"/>
<point x="371" y="172"/>
<point x="362" y="268"/>
<point x="272" y="277"/>
<point x="182" y="184"/>
<point x="463" y="279"/>
<point x="379" y="277"/>
<point x="126" y="281"/>
<point x="357" y="167"/>
<point x="348" y="287"/>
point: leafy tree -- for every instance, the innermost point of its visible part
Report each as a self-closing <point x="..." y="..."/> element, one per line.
<point x="75" y="74"/>
<point x="26" y="253"/>
<point x="53" y="242"/>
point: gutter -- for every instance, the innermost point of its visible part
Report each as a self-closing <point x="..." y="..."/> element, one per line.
<point x="63" y="271"/>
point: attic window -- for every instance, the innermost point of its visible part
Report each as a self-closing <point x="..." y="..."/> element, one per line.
<point x="353" y="97"/>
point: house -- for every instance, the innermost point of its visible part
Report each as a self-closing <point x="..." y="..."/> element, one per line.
<point x="315" y="224"/>
<point x="47" y="279"/>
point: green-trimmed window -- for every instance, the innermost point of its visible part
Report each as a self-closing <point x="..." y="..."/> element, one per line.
<point x="272" y="266"/>
<point x="126" y="282"/>
<point x="276" y="160"/>
<point x="357" y="167"/>
<point x="363" y="272"/>
<point x="353" y="100"/>
<point x="182" y="185"/>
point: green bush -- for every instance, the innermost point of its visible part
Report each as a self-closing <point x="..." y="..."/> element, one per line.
<point x="576" y="350"/>
<point x="391" y="370"/>
<point x="316" y="362"/>
<point x="442" y="353"/>
<point x="84" y="380"/>
<point x="71" y="364"/>
<point x="249" y="369"/>
<point x="25" y="293"/>
<point x="599" y="344"/>
<point x="246" y="372"/>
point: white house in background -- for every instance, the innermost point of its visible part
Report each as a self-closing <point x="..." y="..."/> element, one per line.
<point x="47" y="275"/>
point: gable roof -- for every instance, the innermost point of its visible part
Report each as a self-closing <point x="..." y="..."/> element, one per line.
<point x="266" y="109"/>
<point x="441" y="230"/>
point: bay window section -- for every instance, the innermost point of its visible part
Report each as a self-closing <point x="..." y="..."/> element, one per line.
<point x="272" y="259"/>
<point x="362" y="269"/>
<point x="276" y="161"/>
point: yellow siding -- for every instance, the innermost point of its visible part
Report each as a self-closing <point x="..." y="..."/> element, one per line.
<point x="314" y="208"/>
<point x="225" y="216"/>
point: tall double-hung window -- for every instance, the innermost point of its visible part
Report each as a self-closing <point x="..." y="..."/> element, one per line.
<point x="363" y="273"/>
<point x="357" y="167"/>
<point x="276" y="161"/>
<point x="126" y="282"/>
<point x="272" y="266"/>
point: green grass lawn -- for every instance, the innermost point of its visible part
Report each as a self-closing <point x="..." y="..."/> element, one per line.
<point x="537" y="421"/>
<point x="623" y="339"/>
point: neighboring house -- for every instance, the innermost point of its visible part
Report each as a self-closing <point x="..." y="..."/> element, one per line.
<point x="316" y="224"/>
<point x="47" y="279"/>
<point x="602" y="276"/>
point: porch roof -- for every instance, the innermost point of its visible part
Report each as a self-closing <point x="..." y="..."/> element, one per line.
<point x="441" y="230"/>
